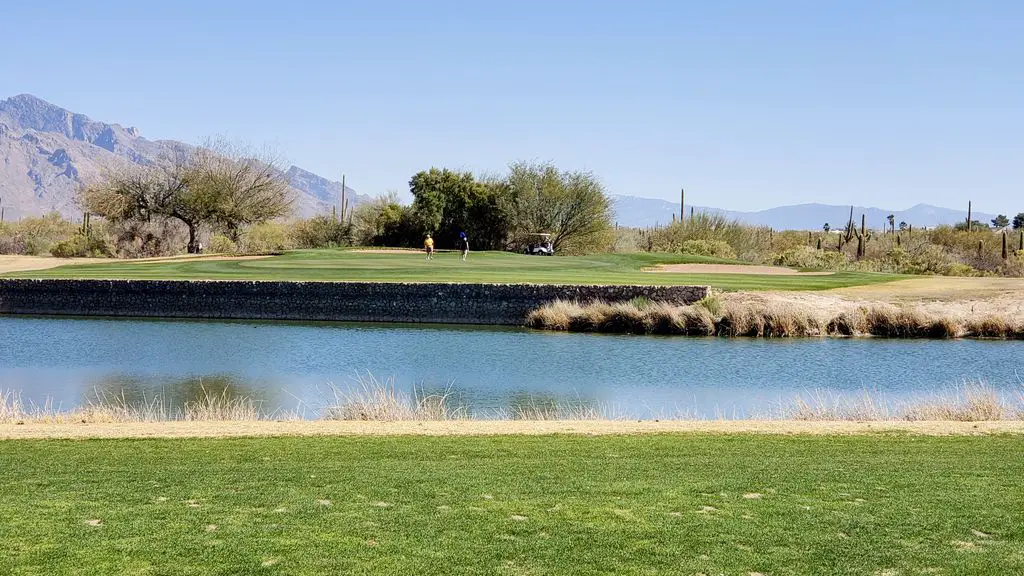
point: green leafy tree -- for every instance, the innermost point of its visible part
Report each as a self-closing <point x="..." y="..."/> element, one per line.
<point x="1000" y="221"/>
<point x="571" y="206"/>
<point x="1018" y="221"/>
<point x="446" y="203"/>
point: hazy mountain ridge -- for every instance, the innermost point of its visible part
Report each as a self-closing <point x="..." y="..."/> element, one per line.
<point x="644" y="212"/>
<point x="47" y="153"/>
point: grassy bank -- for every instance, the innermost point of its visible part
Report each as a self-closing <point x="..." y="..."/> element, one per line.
<point x="713" y="317"/>
<point x="489" y="267"/>
<point x="673" y="504"/>
<point x="377" y="401"/>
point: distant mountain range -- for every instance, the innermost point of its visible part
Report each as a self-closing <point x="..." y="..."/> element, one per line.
<point x="47" y="153"/>
<point x="645" y="212"/>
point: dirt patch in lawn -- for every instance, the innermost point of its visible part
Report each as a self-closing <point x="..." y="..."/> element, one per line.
<point x="495" y="427"/>
<point x="732" y="269"/>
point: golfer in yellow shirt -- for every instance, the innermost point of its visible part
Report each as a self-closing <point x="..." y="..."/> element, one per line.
<point x="428" y="245"/>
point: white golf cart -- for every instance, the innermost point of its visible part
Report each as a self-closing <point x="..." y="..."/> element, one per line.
<point x="542" y="247"/>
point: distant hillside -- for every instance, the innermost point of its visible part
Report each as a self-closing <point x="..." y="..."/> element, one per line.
<point x="47" y="153"/>
<point x="644" y="212"/>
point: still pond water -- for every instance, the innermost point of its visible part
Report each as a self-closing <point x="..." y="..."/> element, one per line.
<point x="291" y="366"/>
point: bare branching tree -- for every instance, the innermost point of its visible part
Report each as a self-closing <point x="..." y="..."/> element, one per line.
<point x="249" y="186"/>
<point x="217" y="185"/>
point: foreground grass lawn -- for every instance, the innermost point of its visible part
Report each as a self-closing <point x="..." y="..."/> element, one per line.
<point x="493" y="267"/>
<point x="668" y="504"/>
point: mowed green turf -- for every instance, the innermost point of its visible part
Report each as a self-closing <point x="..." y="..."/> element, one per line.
<point x="489" y="267"/>
<point x="665" y="504"/>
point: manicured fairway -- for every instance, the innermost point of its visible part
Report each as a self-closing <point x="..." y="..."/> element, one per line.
<point x="493" y="267"/>
<point x="665" y="504"/>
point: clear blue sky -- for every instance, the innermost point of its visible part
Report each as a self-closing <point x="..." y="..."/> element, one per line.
<point x="747" y="104"/>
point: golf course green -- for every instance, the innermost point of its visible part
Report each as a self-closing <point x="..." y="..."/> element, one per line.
<point x="484" y="267"/>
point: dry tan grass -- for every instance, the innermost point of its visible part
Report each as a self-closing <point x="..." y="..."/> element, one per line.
<point x="179" y="429"/>
<point x="732" y="269"/>
<point x="380" y="401"/>
<point x="223" y="407"/>
<point x="770" y="316"/>
<point x="970" y="402"/>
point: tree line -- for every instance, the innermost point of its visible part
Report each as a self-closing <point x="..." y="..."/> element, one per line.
<point x="496" y="212"/>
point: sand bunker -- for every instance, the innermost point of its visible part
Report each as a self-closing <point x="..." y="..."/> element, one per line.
<point x="24" y="263"/>
<point x="387" y="251"/>
<point x="732" y="269"/>
<point x="28" y="263"/>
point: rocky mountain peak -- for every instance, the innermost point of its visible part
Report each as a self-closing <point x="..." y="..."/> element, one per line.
<point x="47" y="153"/>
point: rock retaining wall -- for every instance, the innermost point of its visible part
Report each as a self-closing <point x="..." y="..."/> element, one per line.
<point x="334" y="301"/>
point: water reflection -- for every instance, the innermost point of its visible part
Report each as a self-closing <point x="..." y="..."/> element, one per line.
<point x="174" y="397"/>
<point x="296" y="367"/>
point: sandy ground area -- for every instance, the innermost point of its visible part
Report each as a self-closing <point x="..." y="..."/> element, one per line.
<point x="732" y="269"/>
<point x="388" y="251"/>
<point x="828" y="304"/>
<point x="23" y="263"/>
<point x="494" y="427"/>
<point x="939" y="296"/>
<point x="26" y="263"/>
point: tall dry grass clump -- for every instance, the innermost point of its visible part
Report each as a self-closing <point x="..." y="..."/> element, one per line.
<point x="768" y="321"/>
<point x="892" y="322"/>
<point x="555" y="315"/>
<point x="972" y="402"/>
<point x="990" y="327"/>
<point x="222" y="407"/>
<point x="380" y="401"/>
<point x="761" y="320"/>
<point x="848" y="323"/>
<point x="818" y="406"/>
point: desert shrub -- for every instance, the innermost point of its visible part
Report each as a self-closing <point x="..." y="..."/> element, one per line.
<point x="266" y="237"/>
<point x="807" y="257"/>
<point x="715" y="248"/>
<point x="320" y="232"/>
<point x="748" y="242"/>
<point x="35" y="236"/>
<point x="958" y="269"/>
<point x="79" y="246"/>
<point x="220" y="244"/>
<point x="135" y="239"/>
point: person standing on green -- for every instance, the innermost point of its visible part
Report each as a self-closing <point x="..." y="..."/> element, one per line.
<point x="428" y="245"/>
<point x="464" y="243"/>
